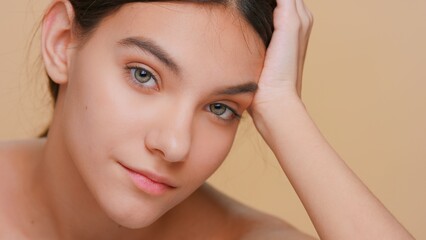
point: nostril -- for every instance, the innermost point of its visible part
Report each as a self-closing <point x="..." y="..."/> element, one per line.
<point x="171" y="146"/>
<point x="158" y="152"/>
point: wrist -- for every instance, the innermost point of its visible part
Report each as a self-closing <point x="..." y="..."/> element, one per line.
<point x="279" y="115"/>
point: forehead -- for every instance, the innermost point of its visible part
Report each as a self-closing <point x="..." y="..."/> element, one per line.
<point x="204" y="37"/>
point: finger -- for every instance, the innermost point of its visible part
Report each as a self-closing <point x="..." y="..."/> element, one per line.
<point x="302" y="11"/>
<point x="283" y="54"/>
<point x="285" y="14"/>
<point x="306" y="24"/>
<point x="289" y="4"/>
<point x="305" y="15"/>
<point x="304" y="20"/>
<point x="284" y="43"/>
<point x="308" y="12"/>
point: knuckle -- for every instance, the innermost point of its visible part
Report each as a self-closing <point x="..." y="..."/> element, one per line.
<point x="297" y="23"/>
<point x="306" y="23"/>
<point x="311" y="16"/>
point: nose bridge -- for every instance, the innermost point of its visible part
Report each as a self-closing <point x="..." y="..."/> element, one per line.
<point x="171" y="137"/>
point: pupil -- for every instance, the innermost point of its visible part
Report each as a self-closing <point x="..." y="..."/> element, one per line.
<point x="218" y="109"/>
<point x="143" y="76"/>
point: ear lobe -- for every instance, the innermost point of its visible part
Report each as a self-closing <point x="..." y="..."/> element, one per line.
<point x="57" y="39"/>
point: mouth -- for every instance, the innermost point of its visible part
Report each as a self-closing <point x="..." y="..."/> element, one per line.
<point x="148" y="182"/>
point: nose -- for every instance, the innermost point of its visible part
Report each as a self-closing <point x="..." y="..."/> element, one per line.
<point x="170" y="138"/>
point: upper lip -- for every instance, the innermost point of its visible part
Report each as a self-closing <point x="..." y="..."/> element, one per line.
<point x="152" y="176"/>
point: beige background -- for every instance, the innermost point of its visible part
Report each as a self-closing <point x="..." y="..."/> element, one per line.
<point x="365" y="86"/>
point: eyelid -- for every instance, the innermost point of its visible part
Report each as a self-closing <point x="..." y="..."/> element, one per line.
<point x="233" y="109"/>
<point x="154" y="74"/>
<point x="146" y="67"/>
<point x="236" y="117"/>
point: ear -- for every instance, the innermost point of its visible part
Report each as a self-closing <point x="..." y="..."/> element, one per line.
<point x="57" y="39"/>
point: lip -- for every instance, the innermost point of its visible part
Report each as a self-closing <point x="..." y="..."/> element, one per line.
<point x="149" y="182"/>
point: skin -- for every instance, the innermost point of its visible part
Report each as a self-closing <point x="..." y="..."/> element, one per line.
<point x="74" y="185"/>
<point x="106" y="121"/>
<point x="159" y="127"/>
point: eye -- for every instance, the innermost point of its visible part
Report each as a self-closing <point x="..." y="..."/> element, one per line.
<point x="223" y="112"/>
<point x="143" y="77"/>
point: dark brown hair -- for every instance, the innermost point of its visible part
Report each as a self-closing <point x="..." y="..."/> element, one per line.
<point x="89" y="14"/>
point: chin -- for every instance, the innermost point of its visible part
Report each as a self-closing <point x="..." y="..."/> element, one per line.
<point x="137" y="222"/>
<point x="135" y="213"/>
<point x="135" y="219"/>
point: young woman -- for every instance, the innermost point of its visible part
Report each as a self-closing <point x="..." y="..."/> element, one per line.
<point x="148" y="98"/>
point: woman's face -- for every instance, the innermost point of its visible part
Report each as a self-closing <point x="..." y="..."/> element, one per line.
<point x="157" y="90"/>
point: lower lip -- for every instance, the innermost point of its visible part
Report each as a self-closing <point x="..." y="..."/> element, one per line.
<point x="147" y="185"/>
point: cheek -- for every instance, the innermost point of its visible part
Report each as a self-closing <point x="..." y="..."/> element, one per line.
<point x="210" y="146"/>
<point x="98" y="110"/>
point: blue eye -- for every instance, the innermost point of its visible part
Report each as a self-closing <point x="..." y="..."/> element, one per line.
<point x="143" y="77"/>
<point x="222" y="111"/>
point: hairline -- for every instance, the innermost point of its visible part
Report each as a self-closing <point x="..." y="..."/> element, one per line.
<point x="84" y="36"/>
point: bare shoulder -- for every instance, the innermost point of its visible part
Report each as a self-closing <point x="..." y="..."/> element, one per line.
<point x="16" y="160"/>
<point x="9" y="155"/>
<point x="274" y="230"/>
<point x="18" y="155"/>
<point x="253" y="224"/>
<point x="10" y="150"/>
<point x="267" y="227"/>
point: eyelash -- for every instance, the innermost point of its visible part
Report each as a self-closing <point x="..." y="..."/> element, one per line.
<point x="130" y="72"/>
<point x="235" y="115"/>
<point x="131" y="75"/>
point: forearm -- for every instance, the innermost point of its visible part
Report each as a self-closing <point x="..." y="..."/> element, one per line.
<point x="338" y="203"/>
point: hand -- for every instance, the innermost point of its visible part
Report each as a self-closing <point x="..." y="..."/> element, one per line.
<point x="282" y="73"/>
<point x="334" y="204"/>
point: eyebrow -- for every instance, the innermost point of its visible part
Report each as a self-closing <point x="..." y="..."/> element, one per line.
<point x="250" y="87"/>
<point x="150" y="46"/>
